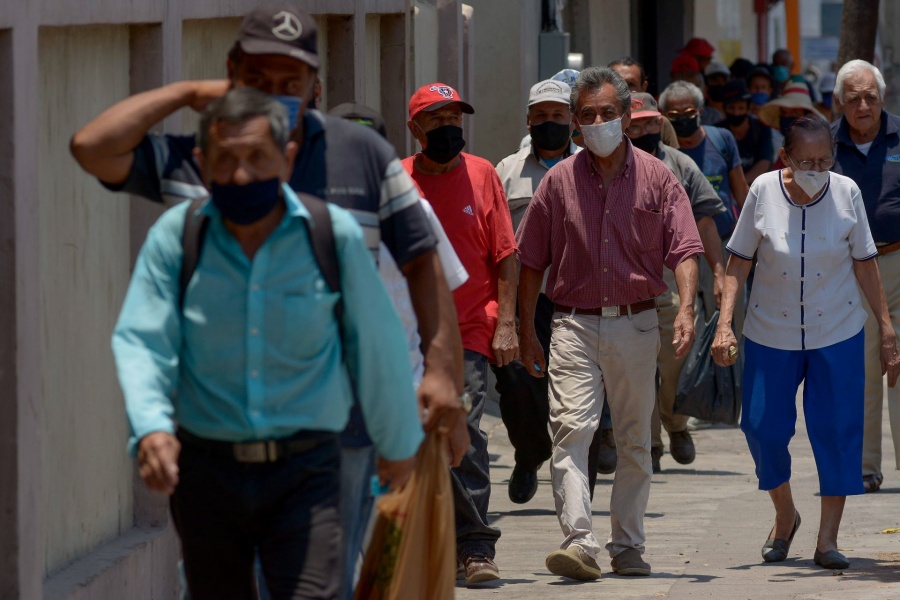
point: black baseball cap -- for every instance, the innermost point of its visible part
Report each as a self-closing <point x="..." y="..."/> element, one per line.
<point x="735" y="91"/>
<point x="280" y="28"/>
<point x="361" y="114"/>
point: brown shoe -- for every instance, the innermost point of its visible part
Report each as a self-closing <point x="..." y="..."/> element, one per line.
<point x="629" y="563"/>
<point x="573" y="562"/>
<point x="480" y="568"/>
<point x="681" y="446"/>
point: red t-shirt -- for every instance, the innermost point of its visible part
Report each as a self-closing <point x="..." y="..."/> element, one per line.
<point x="470" y="204"/>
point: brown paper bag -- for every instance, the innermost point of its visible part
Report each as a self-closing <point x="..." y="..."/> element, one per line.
<point x="412" y="555"/>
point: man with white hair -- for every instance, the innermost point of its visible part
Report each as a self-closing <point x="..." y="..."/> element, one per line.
<point x="868" y="151"/>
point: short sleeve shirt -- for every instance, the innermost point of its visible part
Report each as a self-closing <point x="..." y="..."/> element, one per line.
<point x="341" y="162"/>
<point x="470" y="204"/>
<point x="877" y="174"/>
<point x="713" y="164"/>
<point x="805" y="294"/>
<point x="756" y="145"/>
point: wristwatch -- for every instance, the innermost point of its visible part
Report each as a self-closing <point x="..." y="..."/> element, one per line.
<point x="465" y="401"/>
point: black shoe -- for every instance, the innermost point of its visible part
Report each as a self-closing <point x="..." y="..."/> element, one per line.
<point x="681" y="445"/>
<point x="522" y="484"/>
<point x="776" y="550"/>
<point x="831" y="559"/>
<point x="606" y="453"/>
<point x="655" y="455"/>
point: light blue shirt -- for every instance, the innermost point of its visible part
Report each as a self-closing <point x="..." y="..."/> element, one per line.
<point x="256" y="353"/>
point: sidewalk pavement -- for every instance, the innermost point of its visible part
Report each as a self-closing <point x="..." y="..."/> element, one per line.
<point x="705" y="525"/>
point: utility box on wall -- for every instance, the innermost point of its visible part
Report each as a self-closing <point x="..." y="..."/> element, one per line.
<point x="553" y="53"/>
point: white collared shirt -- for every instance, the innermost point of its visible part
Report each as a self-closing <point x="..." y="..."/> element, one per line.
<point x="805" y="293"/>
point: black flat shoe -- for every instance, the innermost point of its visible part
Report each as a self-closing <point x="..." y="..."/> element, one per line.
<point x="831" y="559"/>
<point x="775" y="549"/>
<point x="522" y="484"/>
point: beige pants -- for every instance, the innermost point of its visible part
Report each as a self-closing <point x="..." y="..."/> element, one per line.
<point x="668" y="366"/>
<point x="595" y="359"/>
<point x="889" y="265"/>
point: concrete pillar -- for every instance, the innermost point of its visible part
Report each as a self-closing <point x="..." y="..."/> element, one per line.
<point x="341" y="80"/>
<point x="890" y="53"/>
<point x="395" y="85"/>
<point x="450" y="44"/>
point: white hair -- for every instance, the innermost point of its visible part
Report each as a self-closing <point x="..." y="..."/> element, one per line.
<point x="852" y="68"/>
<point x="680" y="89"/>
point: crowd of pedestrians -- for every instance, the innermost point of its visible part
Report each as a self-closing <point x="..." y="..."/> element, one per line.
<point x="311" y="306"/>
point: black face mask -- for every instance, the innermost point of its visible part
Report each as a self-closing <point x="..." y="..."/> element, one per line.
<point x="648" y="142"/>
<point x="685" y="127"/>
<point x="549" y="135"/>
<point x="246" y="204"/>
<point x="444" y="143"/>
<point x="736" y="120"/>
<point x="715" y="92"/>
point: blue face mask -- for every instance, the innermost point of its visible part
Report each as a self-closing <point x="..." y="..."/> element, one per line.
<point x="292" y="104"/>
<point x="759" y="98"/>
<point x="780" y="73"/>
<point x="246" y="204"/>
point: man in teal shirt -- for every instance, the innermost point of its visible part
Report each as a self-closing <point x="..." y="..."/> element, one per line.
<point x="256" y="354"/>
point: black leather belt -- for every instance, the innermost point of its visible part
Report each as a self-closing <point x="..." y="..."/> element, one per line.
<point x="611" y="311"/>
<point x="262" y="451"/>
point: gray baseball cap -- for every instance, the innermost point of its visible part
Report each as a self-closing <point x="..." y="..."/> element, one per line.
<point x="550" y="90"/>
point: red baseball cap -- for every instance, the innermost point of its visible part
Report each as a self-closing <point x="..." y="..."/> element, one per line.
<point x="433" y="96"/>
<point x="698" y="47"/>
<point x="684" y="63"/>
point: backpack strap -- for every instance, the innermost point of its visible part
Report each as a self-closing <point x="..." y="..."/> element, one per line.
<point x="718" y="142"/>
<point x="321" y="237"/>
<point x="195" y="225"/>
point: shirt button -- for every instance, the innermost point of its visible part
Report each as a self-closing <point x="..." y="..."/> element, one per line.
<point x="254" y="373"/>
<point x="605" y="269"/>
<point x="803" y="231"/>
<point x="802" y="254"/>
<point x="802" y="326"/>
<point x="607" y="211"/>
<point x="255" y="287"/>
<point x="254" y="331"/>
<point x="605" y="299"/>
<point x="605" y="241"/>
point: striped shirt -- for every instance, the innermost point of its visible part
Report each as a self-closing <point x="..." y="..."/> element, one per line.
<point x="607" y="246"/>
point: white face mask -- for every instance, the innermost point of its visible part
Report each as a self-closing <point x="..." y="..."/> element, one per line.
<point x="603" y="138"/>
<point x="810" y="182"/>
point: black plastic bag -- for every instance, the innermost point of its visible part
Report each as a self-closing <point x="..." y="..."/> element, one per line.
<point x="706" y="390"/>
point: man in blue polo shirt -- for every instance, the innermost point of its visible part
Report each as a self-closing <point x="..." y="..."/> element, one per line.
<point x="868" y="151"/>
<point x="237" y="385"/>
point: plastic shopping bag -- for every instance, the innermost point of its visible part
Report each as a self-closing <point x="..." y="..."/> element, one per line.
<point x="413" y="549"/>
<point x="706" y="390"/>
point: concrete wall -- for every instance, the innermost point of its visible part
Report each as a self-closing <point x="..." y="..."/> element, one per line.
<point x="84" y="264"/>
<point x="610" y="31"/>
<point x="75" y="522"/>
<point x="729" y="25"/>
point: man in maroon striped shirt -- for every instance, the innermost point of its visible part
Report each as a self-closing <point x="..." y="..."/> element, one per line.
<point x="605" y="222"/>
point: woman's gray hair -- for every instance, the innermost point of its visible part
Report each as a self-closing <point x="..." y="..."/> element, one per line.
<point x="680" y="89"/>
<point x="593" y="78"/>
<point x="241" y="104"/>
<point x="852" y="68"/>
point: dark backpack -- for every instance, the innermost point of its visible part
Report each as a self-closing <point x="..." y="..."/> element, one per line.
<point x="321" y="236"/>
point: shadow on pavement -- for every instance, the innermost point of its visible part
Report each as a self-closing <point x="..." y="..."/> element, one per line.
<point x="493" y="585"/>
<point x="885" y="568"/>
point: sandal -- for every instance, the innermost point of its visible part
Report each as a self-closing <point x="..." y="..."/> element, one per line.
<point x="872" y="483"/>
<point x="775" y="549"/>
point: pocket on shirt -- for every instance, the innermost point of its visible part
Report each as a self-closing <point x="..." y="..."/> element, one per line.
<point x="647" y="227"/>
<point x="307" y="323"/>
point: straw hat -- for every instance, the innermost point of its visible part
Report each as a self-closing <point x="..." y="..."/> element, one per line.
<point x="795" y="95"/>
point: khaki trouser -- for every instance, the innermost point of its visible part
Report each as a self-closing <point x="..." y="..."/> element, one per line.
<point x="889" y="265"/>
<point x="668" y="366"/>
<point x="594" y="359"/>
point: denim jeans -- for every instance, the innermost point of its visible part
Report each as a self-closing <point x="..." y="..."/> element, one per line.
<point x="357" y="468"/>
<point x="286" y="512"/>
<point x="471" y="480"/>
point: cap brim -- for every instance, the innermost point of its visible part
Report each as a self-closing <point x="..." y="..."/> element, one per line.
<point x="253" y="46"/>
<point x="770" y="113"/>
<point x="556" y="100"/>
<point x="463" y="106"/>
<point x="645" y="113"/>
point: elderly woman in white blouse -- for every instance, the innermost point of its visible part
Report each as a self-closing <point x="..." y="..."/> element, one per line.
<point x="809" y="232"/>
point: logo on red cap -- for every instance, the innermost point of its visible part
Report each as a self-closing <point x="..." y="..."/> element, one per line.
<point x="443" y="90"/>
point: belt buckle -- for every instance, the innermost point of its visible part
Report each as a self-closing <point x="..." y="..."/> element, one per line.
<point x="256" y="452"/>
<point x="609" y="311"/>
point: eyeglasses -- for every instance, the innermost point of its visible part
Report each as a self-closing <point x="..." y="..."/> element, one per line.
<point x="806" y="165"/>
<point x="688" y="112"/>
<point x="651" y="126"/>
